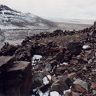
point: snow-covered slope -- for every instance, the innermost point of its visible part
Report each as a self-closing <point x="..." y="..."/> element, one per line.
<point x="10" y="18"/>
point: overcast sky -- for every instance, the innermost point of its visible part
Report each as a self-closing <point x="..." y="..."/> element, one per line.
<point x="75" y="9"/>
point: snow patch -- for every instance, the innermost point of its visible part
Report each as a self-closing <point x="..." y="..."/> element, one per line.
<point x="45" y="80"/>
<point x="54" y="93"/>
<point x="36" y="58"/>
<point x="64" y="63"/>
<point x="86" y="46"/>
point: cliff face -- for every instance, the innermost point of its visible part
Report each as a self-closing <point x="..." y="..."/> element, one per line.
<point x="15" y="77"/>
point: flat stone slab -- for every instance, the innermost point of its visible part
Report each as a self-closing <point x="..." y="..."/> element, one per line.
<point x="4" y="59"/>
<point x="19" y="65"/>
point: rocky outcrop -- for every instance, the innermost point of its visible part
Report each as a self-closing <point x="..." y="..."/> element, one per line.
<point x="15" y="77"/>
<point x="4" y="61"/>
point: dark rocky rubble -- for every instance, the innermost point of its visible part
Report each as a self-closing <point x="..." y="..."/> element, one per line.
<point x="65" y="65"/>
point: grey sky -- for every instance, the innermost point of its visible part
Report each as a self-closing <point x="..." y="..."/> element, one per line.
<point x="75" y="9"/>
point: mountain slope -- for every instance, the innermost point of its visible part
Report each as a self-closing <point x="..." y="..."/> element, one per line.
<point x="12" y="18"/>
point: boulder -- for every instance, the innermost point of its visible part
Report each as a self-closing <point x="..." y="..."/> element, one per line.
<point x="15" y="77"/>
<point x="37" y="79"/>
<point x="61" y="85"/>
<point x="8" y="50"/>
<point x="5" y="62"/>
<point x="93" y="86"/>
<point x="19" y="79"/>
<point x="60" y="57"/>
<point x="24" y="53"/>
<point x="80" y="86"/>
<point x="75" y="48"/>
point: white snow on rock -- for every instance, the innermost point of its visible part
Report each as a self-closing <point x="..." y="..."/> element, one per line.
<point x="54" y="93"/>
<point x="36" y="57"/>
<point x="43" y="94"/>
<point x="86" y="47"/>
<point x="45" y="80"/>
<point x="49" y="77"/>
<point x="64" y="63"/>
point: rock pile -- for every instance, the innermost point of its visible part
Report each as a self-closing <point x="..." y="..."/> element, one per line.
<point x="72" y="69"/>
<point x="38" y="68"/>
